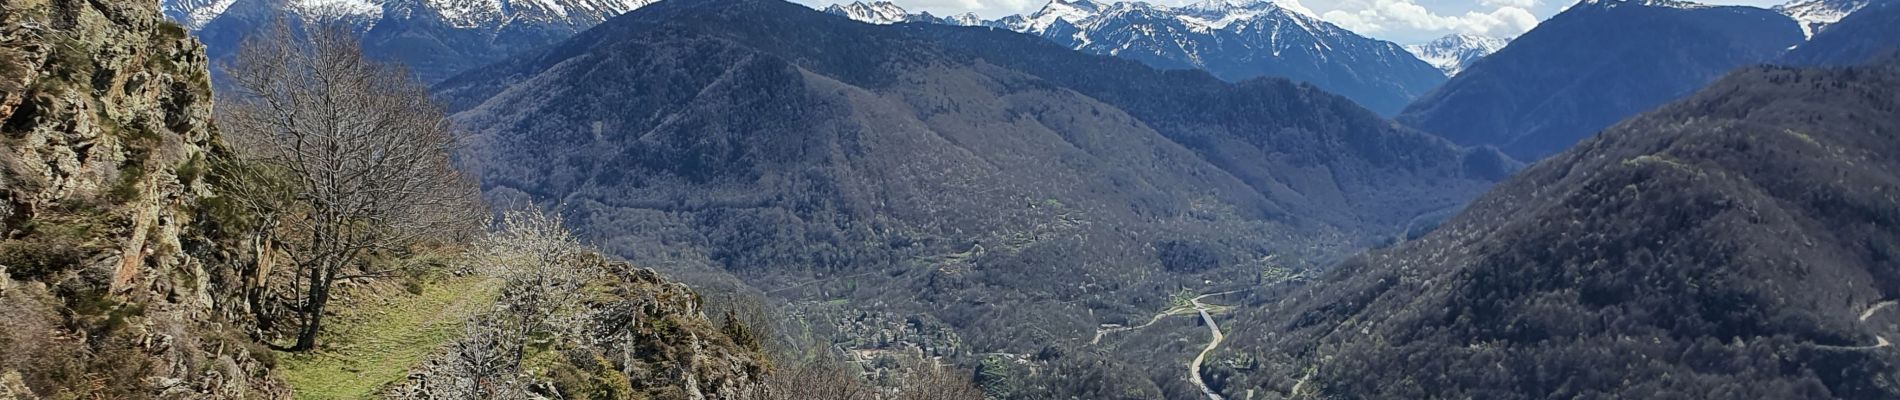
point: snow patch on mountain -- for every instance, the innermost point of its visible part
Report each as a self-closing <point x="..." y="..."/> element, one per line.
<point x="882" y="12"/>
<point x="1232" y="39"/>
<point x="1218" y="14"/>
<point x="1071" y="12"/>
<point x="1237" y="40"/>
<point x="461" y="14"/>
<point x="1687" y="5"/>
<point x="965" y="19"/>
<point x="1453" y="53"/>
<point x="358" y="10"/>
<point x="1815" y="15"/>
<point x="194" y="14"/>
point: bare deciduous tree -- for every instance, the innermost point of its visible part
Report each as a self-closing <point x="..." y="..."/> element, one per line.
<point x="360" y="150"/>
<point x="540" y="304"/>
<point x="835" y="380"/>
<point x="541" y="264"/>
<point x="824" y="381"/>
<point x="929" y="381"/>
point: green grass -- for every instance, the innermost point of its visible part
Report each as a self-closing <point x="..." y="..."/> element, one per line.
<point x="374" y="344"/>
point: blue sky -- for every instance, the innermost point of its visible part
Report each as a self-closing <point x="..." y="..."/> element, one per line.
<point x="1403" y="21"/>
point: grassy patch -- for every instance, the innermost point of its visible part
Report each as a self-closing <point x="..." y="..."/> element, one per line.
<point x="375" y="343"/>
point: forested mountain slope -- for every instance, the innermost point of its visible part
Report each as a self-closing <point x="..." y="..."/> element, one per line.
<point x="1739" y="243"/>
<point x="1596" y="63"/>
<point x="988" y="191"/>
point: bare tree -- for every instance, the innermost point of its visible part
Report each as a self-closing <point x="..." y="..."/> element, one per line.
<point x="360" y="152"/>
<point x="479" y="365"/>
<point x="929" y="380"/>
<point x="544" y="272"/>
<point x="540" y="261"/>
<point x="817" y="381"/>
<point x="830" y="379"/>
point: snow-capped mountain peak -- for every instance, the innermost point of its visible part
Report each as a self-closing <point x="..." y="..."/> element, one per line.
<point x="881" y="12"/>
<point x="464" y="14"/>
<point x="1237" y="40"/>
<point x="886" y="13"/>
<point x="434" y="38"/>
<point x="965" y="19"/>
<point x="1229" y="6"/>
<point x="194" y="14"/>
<point x="1815" y="15"/>
<point x="1218" y="14"/>
<point x="1071" y="12"/>
<point x="1454" y="52"/>
<point x="371" y="9"/>
<point x="1647" y="3"/>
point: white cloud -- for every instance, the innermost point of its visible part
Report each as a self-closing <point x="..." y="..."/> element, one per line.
<point x="1295" y="6"/>
<point x="1525" y="4"/>
<point x="1506" y="18"/>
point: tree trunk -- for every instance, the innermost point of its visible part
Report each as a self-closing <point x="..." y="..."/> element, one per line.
<point x="259" y="285"/>
<point x="320" y="278"/>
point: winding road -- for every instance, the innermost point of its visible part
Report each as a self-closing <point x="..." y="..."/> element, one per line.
<point x="1194" y="368"/>
<point x="1193" y="306"/>
<point x="1879" y="341"/>
<point x="1107" y="329"/>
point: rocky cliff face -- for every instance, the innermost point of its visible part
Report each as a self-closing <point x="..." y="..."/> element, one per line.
<point x="119" y="277"/>
<point x="109" y="277"/>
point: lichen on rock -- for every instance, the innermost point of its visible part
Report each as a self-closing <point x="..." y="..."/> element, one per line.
<point x="112" y="280"/>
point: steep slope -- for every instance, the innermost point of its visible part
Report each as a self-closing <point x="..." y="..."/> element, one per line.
<point x="1596" y="63"/>
<point x="124" y="266"/>
<point x="1867" y="34"/>
<point x="992" y="186"/>
<point x="1815" y="15"/>
<point x="1454" y="52"/>
<point x="1232" y="39"/>
<point x="434" y="38"/>
<point x="645" y="338"/>
<point x="113" y="281"/>
<point x="1736" y="244"/>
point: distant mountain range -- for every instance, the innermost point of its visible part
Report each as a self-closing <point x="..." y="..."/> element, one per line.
<point x="884" y="12"/>
<point x="1454" y="52"/>
<point x="1739" y="243"/>
<point x="1232" y="39"/>
<point x="434" y="38"/>
<point x="1594" y="64"/>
